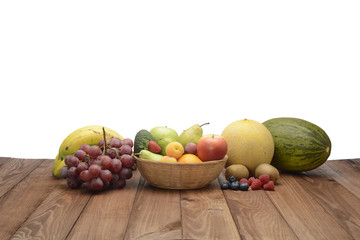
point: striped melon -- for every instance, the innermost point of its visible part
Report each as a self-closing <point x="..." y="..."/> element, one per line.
<point x="299" y="145"/>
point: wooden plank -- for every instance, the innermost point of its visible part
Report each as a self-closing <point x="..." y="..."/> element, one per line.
<point x="347" y="173"/>
<point x="255" y="215"/>
<point x="4" y="160"/>
<point x="14" y="170"/>
<point x="205" y="214"/>
<point x="155" y="214"/>
<point x="107" y="214"/>
<point x="306" y="216"/>
<point x="341" y="204"/>
<point x="24" y="198"/>
<point x="56" y="215"/>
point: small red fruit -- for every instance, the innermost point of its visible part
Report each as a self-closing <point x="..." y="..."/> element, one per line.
<point x="154" y="147"/>
<point x="256" y="184"/>
<point x="269" y="186"/>
<point x="264" y="178"/>
<point x="244" y="180"/>
<point x="250" y="180"/>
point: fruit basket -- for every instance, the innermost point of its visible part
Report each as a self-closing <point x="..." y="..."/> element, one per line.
<point x="180" y="175"/>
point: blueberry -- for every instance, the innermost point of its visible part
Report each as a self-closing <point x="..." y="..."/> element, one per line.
<point x="244" y="186"/>
<point x="225" y="185"/>
<point x="232" y="179"/>
<point x="234" y="185"/>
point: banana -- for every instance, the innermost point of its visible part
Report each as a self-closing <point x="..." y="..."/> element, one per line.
<point x="86" y="135"/>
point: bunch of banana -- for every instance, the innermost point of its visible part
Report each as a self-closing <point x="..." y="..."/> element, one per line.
<point x="86" y="135"/>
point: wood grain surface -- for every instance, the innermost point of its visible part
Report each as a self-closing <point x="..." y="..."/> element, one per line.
<point x="320" y="204"/>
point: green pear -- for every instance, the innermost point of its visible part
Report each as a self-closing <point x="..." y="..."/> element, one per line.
<point x="192" y="134"/>
<point x="146" y="154"/>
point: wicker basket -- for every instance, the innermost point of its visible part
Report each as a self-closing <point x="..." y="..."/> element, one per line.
<point x="180" y="175"/>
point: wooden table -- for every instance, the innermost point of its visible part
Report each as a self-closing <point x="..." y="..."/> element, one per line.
<point x="320" y="204"/>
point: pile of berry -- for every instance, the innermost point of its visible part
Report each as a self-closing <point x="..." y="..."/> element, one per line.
<point x="263" y="182"/>
<point x="101" y="166"/>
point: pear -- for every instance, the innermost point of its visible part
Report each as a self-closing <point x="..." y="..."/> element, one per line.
<point x="192" y="134"/>
<point x="146" y="154"/>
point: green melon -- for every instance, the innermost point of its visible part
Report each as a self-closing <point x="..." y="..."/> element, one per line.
<point x="299" y="145"/>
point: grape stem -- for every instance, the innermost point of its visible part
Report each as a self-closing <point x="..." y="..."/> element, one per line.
<point x="105" y="147"/>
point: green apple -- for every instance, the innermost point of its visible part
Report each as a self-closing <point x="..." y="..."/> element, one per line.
<point x="163" y="136"/>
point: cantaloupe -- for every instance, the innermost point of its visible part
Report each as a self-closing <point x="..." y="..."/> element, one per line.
<point x="249" y="143"/>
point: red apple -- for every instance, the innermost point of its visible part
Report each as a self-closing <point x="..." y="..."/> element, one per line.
<point x="212" y="147"/>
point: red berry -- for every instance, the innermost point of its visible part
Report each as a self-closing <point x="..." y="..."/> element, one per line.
<point x="244" y="180"/>
<point x="256" y="184"/>
<point x="269" y="186"/>
<point x="265" y="178"/>
<point x="154" y="147"/>
<point x="250" y="180"/>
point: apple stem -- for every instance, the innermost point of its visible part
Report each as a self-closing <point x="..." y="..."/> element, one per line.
<point x="204" y="124"/>
<point x="105" y="147"/>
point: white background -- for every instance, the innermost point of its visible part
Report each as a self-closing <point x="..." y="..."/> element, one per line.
<point x="141" y="64"/>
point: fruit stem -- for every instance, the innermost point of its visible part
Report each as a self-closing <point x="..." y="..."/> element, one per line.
<point x="204" y="124"/>
<point x="105" y="147"/>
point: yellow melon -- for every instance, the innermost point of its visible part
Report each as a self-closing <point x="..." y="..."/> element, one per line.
<point x="249" y="143"/>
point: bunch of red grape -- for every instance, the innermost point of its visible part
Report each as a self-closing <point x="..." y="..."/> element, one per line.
<point x="101" y="166"/>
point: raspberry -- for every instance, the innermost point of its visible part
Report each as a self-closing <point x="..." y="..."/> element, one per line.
<point x="250" y="180"/>
<point x="256" y="184"/>
<point x="269" y="186"/>
<point x="264" y="178"/>
<point x="244" y="180"/>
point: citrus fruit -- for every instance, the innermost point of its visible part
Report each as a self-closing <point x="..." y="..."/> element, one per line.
<point x="189" y="158"/>
<point x="175" y="150"/>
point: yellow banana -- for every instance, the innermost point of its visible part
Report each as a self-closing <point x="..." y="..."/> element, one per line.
<point x="86" y="135"/>
<point x="58" y="164"/>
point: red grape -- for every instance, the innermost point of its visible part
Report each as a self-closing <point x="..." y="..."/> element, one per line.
<point x="120" y="183"/>
<point x="81" y="167"/>
<point x="116" y="165"/>
<point x="85" y="148"/>
<point x="115" y="177"/>
<point x="80" y="154"/>
<point x="72" y="173"/>
<point x="106" y="175"/>
<point x="71" y="161"/>
<point x="111" y="153"/>
<point x="101" y="143"/>
<point x="64" y="172"/>
<point x="125" y="149"/>
<point x="95" y="170"/>
<point x="116" y="142"/>
<point x="128" y="141"/>
<point x="85" y="176"/>
<point x="125" y="173"/>
<point x="94" y="151"/>
<point x="95" y="161"/>
<point x="97" y="184"/>
<point x="127" y="160"/>
<point x="105" y="161"/>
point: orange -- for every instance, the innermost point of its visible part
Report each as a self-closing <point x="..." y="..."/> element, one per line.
<point x="175" y="150"/>
<point x="189" y="158"/>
